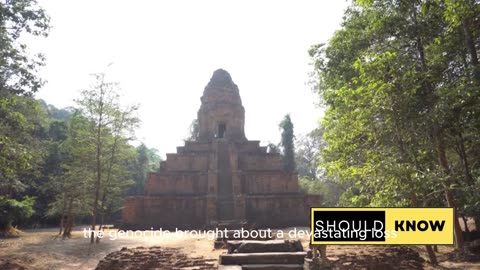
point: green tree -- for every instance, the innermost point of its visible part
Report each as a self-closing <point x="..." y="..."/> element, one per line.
<point x="330" y="191"/>
<point x="111" y="127"/>
<point x="42" y="186"/>
<point x="147" y="160"/>
<point x="312" y="179"/>
<point x="20" y="116"/>
<point x="71" y="184"/>
<point x="399" y="84"/>
<point x="17" y="68"/>
<point x="287" y="144"/>
<point x="21" y="152"/>
<point x="307" y="156"/>
<point x="12" y="210"/>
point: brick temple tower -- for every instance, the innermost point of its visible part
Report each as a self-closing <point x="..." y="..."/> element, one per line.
<point x="221" y="115"/>
<point x="220" y="177"/>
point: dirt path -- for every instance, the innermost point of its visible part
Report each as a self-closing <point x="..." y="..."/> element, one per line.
<point x="38" y="250"/>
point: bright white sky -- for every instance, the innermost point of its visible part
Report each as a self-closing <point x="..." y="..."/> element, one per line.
<point x="164" y="53"/>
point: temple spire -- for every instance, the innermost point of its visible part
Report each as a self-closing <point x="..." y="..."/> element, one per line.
<point x="221" y="115"/>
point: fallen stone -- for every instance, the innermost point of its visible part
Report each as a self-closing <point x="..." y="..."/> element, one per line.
<point x="153" y="258"/>
<point x="263" y="258"/>
<point x="272" y="267"/>
<point x="229" y="267"/>
<point x="265" y="246"/>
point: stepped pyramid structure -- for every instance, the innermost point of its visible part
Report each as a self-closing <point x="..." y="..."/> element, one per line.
<point x="221" y="177"/>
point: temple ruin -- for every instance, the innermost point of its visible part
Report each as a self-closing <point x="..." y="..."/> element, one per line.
<point x="221" y="176"/>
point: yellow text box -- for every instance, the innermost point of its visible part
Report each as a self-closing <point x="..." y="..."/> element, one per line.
<point x="406" y="226"/>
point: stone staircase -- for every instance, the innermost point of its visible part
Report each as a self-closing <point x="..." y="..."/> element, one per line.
<point x="263" y="255"/>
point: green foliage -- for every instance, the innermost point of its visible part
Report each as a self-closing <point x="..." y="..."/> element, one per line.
<point x="193" y="131"/>
<point x="287" y="143"/>
<point x="147" y="160"/>
<point x="55" y="161"/>
<point x="74" y="169"/>
<point x="307" y="156"/>
<point x="402" y="99"/>
<point x="12" y="210"/>
<point x="110" y="127"/>
<point x="69" y="159"/>
<point x="17" y="69"/>
<point x="312" y="179"/>
<point x="20" y="148"/>
<point x="330" y="192"/>
<point x="21" y="119"/>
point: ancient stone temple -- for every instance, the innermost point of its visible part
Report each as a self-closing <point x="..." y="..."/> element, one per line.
<point x="221" y="176"/>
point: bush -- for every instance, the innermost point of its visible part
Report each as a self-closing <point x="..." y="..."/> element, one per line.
<point x="330" y="192"/>
<point x="14" y="212"/>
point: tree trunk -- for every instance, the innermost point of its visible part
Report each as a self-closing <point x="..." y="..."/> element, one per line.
<point x="61" y="225"/>
<point x="62" y="216"/>
<point x="467" y="231"/>
<point x="436" y="131"/>
<point x="67" y="232"/>
<point x="470" y="44"/>
<point x="465" y="221"/>
<point x="459" y="243"/>
<point x="431" y="254"/>
<point x="100" y="228"/>
<point x="97" y="192"/>
<point x="443" y="161"/>
<point x="113" y="153"/>
<point x="98" y="163"/>
<point x="463" y="156"/>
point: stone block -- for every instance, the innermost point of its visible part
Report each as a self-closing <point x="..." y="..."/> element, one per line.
<point x="229" y="267"/>
<point x="263" y="258"/>
<point x="264" y="246"/>
<point x="272" y="267"/>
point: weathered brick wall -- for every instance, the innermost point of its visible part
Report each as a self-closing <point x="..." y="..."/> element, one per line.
<point x="187" y="162"/>
<point x="191" y="146"/>
<point x="132" y="210"/>
<point x="269" y="183"/>
<point x="176" y="183"/>
<point x="248" y="147"/>
<point x="277" y="211"/>
<point x="260" y="162"/>
<point x="166" y="212"/>
<point x="312" y="200"/>
<point x="188" y="212"/>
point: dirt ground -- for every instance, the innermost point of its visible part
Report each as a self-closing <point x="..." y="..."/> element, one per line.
<point x="38" y="250"/>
